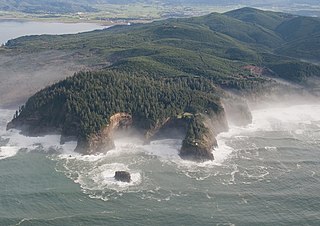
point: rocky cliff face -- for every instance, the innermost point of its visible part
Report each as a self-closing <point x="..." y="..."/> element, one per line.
<point x="35" y="124"/>
<point x="197" y="131"/>
<point x="173" y="128"/>
<point x="103" y="140"/>
<point x="199" y="149"/>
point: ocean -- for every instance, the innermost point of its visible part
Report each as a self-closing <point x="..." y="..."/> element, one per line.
<point x="267" y="173"/>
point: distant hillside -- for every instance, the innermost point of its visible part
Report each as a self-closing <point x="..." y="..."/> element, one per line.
<point x="299" y="28"/>
<point x="47" y="6"/>
<point x="307" y="48"/>
<point x="266" y="19"/>
<point x="241" y="35"/>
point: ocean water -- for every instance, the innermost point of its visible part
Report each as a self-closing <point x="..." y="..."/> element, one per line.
<point x="267" y="173"/>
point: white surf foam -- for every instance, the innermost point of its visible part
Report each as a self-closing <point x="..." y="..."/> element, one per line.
<point x="270" y="119"/>
<point x="95" y="172"/>
<point x="7" y="152"/>
<point x="281" y="118"/>
<point x="17" y="141"/>
<point x="97" y="177"/>
<point x="167" y="149"/>
<point x="46" y="143"/>
<point x="284" y="117"/>
<point x="104" y="176"/>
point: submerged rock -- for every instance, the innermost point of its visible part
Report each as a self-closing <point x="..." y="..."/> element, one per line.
<point x="122" y="176"/>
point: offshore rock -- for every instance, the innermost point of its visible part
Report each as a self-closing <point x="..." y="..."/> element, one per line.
<point x="122" y="176"/>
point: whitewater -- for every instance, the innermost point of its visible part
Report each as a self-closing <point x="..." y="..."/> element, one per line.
<point x="264" y="173"/>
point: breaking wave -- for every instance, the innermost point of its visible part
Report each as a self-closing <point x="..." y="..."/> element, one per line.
<point x="242" y="155"/>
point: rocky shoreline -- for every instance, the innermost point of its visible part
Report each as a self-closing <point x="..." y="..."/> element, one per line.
<point x="198" y="132"/>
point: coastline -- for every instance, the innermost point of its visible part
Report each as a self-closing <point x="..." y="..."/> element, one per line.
<point x="47" y="18"/>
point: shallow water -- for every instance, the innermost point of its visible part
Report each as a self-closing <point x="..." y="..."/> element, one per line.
<point x="10" y="29"/>
<point x="266" y="173"/>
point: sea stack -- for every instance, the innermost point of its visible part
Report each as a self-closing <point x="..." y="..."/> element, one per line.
<point x="122" y="176"/>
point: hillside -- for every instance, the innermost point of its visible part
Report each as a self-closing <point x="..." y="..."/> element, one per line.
<point x="307" y="48"/>
<point x="298" y="28"/>
<point x="47" y="6"/>
<point x="157" y="73"/>
<point x="267" y="19"/>
<point x="253" y="33"/>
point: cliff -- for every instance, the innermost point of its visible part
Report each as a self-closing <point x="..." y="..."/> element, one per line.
<point x="200" y="138"/>
<point x="197" y="131"/>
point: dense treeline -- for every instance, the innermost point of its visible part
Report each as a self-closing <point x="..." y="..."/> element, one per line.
<point x="82" y="104"/>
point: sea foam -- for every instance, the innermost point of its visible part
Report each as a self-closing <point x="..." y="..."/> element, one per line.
<point x="95" y="173"/>
<point x="16" y="141"/>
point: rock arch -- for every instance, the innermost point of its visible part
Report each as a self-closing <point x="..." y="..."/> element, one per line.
<point x="103" y="140"/>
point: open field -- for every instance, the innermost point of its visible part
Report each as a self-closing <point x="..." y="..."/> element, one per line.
<point x="118" y="14"/>
<point x="109" y="14"/>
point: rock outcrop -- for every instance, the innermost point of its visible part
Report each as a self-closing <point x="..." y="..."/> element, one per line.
<point x="173" y="128"/>
<point x="200" y="137"/>
<point x="34" y="125"/>
<point x="122" y="176"/>
<point x="199" y="149"/>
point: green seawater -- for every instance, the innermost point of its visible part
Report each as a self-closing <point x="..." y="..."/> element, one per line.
<point x="267" y="173"/>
